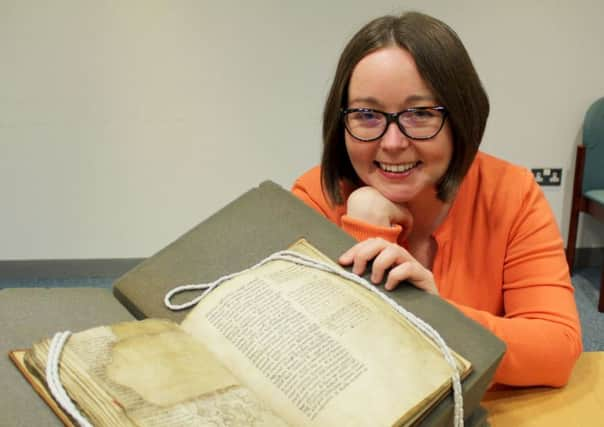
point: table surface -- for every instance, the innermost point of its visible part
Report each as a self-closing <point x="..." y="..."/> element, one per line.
<point x="579" y="403"/>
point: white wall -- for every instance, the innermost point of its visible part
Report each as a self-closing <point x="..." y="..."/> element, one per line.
<point x="124" y="123"/>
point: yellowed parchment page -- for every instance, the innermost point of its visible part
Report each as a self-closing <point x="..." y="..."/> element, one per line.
<point x="317" y="348"/>
<point x="151" y="373"/>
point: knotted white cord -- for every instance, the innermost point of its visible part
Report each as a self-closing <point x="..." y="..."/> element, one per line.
<point x="54" y="382"/>
<point x="300" y="259"/>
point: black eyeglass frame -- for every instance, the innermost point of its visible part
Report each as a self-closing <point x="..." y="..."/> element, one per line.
<point x="393" y="117"/>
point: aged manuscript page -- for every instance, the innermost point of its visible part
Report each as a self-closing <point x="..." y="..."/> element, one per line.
<point x="319" y="349"/>
<point x="151" y="373"/>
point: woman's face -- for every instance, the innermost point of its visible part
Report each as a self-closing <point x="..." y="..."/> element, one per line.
<point x="400" y="168"/>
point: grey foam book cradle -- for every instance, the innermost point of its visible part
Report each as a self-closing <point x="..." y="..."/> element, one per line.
<point x="267" y="219"/>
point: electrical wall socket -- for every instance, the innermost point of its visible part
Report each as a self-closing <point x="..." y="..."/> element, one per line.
<point x="551" y="177"/>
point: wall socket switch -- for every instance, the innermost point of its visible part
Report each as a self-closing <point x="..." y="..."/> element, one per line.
<point x="551" y="177"/>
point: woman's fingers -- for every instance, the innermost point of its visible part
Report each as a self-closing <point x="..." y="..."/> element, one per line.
<point x="392" y="255"/>
<point x="413" y="272"/>
<point x="384" y="254"/>
<point x="361" y="253"/>
<point x="388" y="256"/>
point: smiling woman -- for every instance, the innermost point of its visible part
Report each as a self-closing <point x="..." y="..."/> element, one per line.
<point x="401" y="172"/>
<point x="401" y="167"/>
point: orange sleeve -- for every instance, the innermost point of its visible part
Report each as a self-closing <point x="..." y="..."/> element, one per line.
<point x="308" y="189"/>
<point x="540" y="326"/>
<point x="361" y="230"/>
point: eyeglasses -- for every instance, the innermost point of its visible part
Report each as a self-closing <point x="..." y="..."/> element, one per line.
<point x="420" y="123"/>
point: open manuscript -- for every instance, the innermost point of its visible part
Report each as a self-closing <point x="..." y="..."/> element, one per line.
<point x="281" y="345"/>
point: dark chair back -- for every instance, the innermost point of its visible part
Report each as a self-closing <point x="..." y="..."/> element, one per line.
<point x="593" y="140"/>
<point x="588" y="185"/>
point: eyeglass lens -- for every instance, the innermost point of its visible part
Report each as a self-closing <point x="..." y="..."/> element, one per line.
<point x="366" y="124"/>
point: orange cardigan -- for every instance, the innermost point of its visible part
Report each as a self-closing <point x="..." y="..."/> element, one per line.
<point x="500" y="260"/>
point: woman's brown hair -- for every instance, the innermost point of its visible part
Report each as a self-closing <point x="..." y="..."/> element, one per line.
<point x="445" y="66"/>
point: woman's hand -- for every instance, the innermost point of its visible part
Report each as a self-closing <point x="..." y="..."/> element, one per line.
<point x="369" y="205"/>
<point x="386" y="255"/>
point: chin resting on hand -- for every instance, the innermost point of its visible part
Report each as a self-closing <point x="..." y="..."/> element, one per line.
<point x="369" y="205"/>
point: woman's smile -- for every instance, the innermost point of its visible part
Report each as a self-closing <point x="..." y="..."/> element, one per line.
<point x="400" y="168"/>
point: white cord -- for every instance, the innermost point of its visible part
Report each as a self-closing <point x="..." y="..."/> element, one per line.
<point x="54" y="382"/>
<point x="300" y="259"/>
